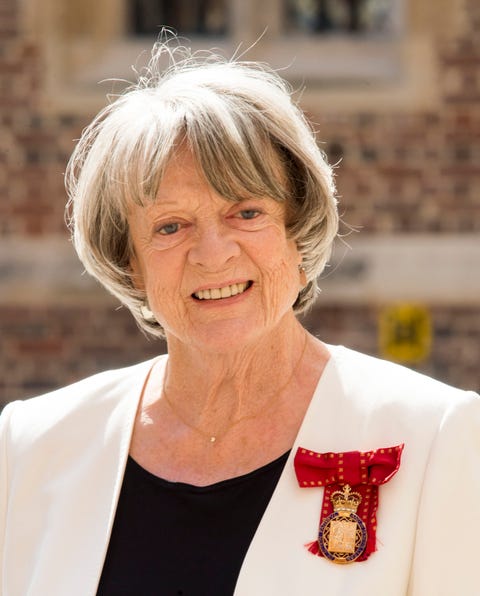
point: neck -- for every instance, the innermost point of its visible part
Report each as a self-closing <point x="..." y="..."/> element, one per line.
<point x="252" y="401"/>
<point x="214" y="389"/>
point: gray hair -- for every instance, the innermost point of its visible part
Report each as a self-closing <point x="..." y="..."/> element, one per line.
<point x="240" y="122"/>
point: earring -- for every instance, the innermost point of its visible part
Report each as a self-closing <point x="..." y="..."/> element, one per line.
<point x="147" y="314"/>
<point x="303" y="276"/>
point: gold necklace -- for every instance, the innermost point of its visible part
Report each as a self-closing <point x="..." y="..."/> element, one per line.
<point x="214" y="438"/>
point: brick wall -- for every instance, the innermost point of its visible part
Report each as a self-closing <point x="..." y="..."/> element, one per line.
<point x="401" y="172"/>
<point x="45" y="347"/>
<point x="409" y="172"/>
<point x="455" y="346"/>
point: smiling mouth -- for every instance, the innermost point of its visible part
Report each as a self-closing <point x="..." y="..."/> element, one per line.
<point x="224" y="292"/>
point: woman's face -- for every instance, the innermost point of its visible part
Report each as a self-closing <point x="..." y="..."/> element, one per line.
<point x="216" y="273"/>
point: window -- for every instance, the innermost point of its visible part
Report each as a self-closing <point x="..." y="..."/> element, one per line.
<point x="197" y="17"/>
<point x="340" y="16"/>
<point x="335" y="46"/>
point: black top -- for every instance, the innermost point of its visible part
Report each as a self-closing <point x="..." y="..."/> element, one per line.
<point x="172" y="538"/>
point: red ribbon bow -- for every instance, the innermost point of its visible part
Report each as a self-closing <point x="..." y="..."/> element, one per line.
<point x="364" y="471"/>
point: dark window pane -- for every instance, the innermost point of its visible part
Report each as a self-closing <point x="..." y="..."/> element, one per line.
<point x="201" y="17"/>
<point x="339" y="16"/>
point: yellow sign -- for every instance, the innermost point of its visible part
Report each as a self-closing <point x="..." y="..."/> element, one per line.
<point x="405" y="333"/>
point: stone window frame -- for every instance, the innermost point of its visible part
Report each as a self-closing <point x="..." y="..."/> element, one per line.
<point x="383" y="69"/>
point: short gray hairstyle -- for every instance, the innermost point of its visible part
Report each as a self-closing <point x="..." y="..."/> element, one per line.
<point x="239" y="120"/>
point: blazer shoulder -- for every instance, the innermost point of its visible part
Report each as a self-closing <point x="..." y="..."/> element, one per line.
<point x="385" y="381"/>
<point x="83" y="402"/>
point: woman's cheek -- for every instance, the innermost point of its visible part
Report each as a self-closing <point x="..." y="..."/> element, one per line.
<point x="279" y="288"/>
<point x="167" y="305"/>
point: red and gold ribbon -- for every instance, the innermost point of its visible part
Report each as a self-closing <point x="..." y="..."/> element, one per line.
<point x="364" y="471"/>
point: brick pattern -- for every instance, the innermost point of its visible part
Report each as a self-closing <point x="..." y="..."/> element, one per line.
<point x="400" y="173"/>
<point x="8" y="19"/>
<point x="416" y="172"/>
<point x="33" y="148"/>
<point x="455" y="349"/>
<point x="33" y="153"/>
<point x="45" y="348"/>
<point x="408" y="172"/>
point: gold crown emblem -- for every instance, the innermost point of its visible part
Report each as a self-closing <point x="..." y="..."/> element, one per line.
<point x="345" y="501"/>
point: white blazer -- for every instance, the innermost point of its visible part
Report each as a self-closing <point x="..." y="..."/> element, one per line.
<point x="63" y="455"/>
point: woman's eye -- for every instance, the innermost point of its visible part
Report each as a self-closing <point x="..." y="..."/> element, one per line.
<point x="168" y="229"/>
<point x="249" y="213"/>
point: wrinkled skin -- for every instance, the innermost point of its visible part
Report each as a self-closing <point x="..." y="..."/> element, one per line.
<point x="240" y="368"/>
<point x="190" y="239"/>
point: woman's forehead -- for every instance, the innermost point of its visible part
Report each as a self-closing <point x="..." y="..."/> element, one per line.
<point x="183" y="166"/>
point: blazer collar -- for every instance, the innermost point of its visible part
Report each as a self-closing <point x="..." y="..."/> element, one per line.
<point x="95" y="486"/>
<point x="291" y="518"/>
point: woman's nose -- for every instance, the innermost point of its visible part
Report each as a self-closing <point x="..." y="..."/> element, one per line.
<point x="214" y="247"/>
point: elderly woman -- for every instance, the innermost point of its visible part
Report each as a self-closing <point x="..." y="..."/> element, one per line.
<point x="253" y="458"/>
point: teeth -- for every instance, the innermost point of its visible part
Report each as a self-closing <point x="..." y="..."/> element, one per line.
<point x="225" y="292"/>
<point x="217" y="293"/>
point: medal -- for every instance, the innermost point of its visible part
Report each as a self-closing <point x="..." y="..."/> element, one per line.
<point x="348" y="479"/>
<point x="342" y="536"/>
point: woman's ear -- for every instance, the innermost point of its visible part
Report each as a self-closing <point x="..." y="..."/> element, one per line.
<point x="303" y="276"/>
<point x="301" y="270"/>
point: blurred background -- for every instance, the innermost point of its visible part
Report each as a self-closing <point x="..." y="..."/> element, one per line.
<point x="393" y="89"/>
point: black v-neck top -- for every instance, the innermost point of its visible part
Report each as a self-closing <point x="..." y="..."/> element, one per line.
<point x="175" y="539"/>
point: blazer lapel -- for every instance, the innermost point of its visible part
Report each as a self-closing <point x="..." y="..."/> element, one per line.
<point x="75" y="505"/>
<point x="110" y="462"/>
<point x="277" y="561"/>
